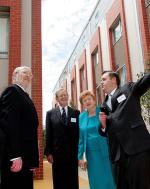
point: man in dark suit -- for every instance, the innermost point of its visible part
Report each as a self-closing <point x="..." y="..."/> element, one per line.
<point x="19" y="119"/>
<point x="128" y="136"/>
<point x="62" y="135"/>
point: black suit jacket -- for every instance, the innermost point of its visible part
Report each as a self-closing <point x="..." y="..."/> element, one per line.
<point x="126" y="128"/>
<point x="19" y="120"/>
<point x="61" y="137"/>
<point x="2" y="144"/>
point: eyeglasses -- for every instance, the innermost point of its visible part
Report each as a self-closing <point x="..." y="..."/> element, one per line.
<point x="27" y="74"/>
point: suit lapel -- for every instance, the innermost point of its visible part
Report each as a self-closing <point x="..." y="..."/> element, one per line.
<point x="69" y="113"/>
<point x="27" y="99"/>
<point x="58" y="113"/>
<point x="105" y="104"/>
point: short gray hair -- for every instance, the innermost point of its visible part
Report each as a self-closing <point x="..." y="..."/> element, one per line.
<point x="59" y="90"/>
<point x="18" y="70"/>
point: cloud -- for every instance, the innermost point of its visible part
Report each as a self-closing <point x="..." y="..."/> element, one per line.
<point x="62" y="24"/>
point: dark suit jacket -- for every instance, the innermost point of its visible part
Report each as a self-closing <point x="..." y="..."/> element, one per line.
<point x="2" y="144"/>
<point x="59" y="136"/>
<point x="125" y="126"/>
<point x="2" y="139"/>
<point x="19" y="119"/>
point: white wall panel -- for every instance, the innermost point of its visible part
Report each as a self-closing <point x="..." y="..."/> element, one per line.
<point x="134" y="40"/>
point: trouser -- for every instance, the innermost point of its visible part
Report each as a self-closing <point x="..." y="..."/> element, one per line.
<point x="133" y="172"/>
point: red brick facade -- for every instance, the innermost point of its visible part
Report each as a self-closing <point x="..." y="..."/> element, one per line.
<point x="15" y="34"/>
<point x="37" y="72"/>
<point x="15" y="58"/>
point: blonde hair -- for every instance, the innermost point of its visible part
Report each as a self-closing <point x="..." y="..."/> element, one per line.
<point x="86" y="93"/>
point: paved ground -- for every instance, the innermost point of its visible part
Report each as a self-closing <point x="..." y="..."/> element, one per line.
<point x="46" y="183"/>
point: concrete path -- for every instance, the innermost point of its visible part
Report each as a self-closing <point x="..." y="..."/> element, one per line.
<point x="46" y="183"/>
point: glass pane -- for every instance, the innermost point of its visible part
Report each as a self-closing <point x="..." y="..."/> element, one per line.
<point x="4" y="36"/>
<point x="123" y="75"/>
<point x="98" y="95"/>
<point x="97" y="68"/>
<point x="147" y="2"/>
<point x="117" y="32"/>
<point x="148" y="15"/>
<point x="119" y="53"/>
<point x="83" y="79"/>
<point x="73" y="94"/>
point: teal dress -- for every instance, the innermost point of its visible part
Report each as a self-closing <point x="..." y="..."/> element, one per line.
<point x="95" y="148"/>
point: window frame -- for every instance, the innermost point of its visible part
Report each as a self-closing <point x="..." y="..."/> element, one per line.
<point x="124" y="74"/>
<point x="147" y="3"/>
<point x="115" y="26"/>
<point x="5" y="53"/>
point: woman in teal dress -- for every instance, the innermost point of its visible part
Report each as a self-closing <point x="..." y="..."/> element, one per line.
<point x="93" y="145"/>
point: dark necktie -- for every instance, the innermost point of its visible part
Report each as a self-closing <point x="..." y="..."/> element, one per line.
<point x="64" y="116"/>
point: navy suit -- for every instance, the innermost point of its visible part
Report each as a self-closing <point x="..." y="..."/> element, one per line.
<point x="62" y="143"/>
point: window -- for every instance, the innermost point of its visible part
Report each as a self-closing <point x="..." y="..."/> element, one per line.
<point x="147" y="4"/>
<point x="4" y="35"/>
<point x="96" y="58"/>
<point x="122" y="74"/>
<point x="117" y="45"/>
<point x="96" y="62"/>
<point x="117" y="32"/>
<point x="96" y="67"/>
<point x="73" y="92"/>
<point x="119" y="60"/>
<point x="83" y="78"/>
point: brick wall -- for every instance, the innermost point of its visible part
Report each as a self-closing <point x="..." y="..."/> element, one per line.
<point x="15" y="58"/>
<point x="37" y="72"/>
<point x="15" y="34"/>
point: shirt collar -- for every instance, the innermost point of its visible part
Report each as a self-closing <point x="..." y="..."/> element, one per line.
<point x="21" y="88"/>
<point x="112" y="92"/>
<point x="66" y="109"/>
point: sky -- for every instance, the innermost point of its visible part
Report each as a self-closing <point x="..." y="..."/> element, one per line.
<point x="62" y="24"/>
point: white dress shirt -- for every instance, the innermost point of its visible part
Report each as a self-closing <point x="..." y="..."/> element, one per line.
<point x="108" y="102"/>
<point x="61" y="109"/>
